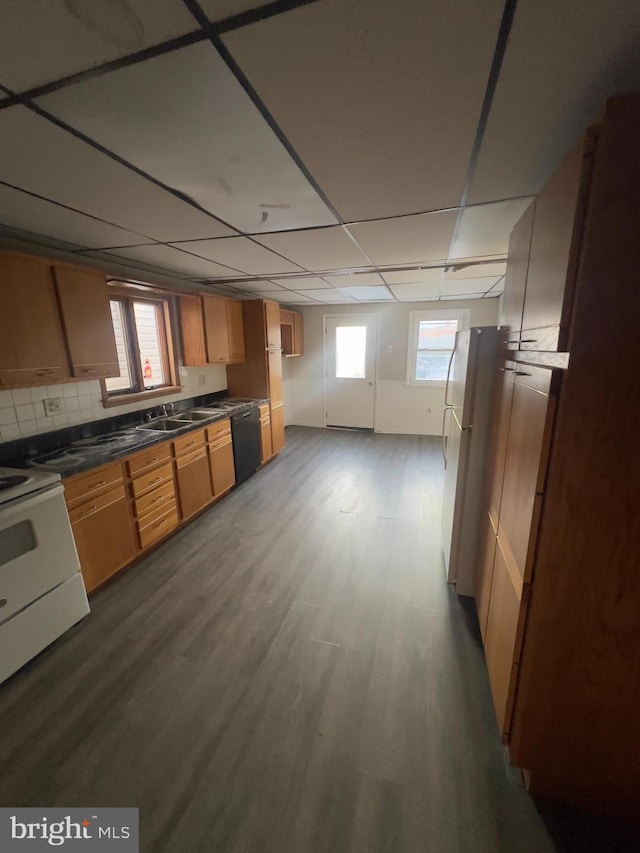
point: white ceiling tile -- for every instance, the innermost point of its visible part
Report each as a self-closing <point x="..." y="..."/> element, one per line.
<point x="218" y="10"/>
<point x="285" y="296"/>
<point x="466" y="296"/>
<point x="462" y="287"/>
<point x="311" y="282"/>
<point x="368" y="294"/>
<point x="319" y="249"/>
<point x="407" y="239"/>
<point x="241" y="254"/>
<point x="365" y="279"/>
<point x="40" y="157"/>
<point x="476" y="271"/>
<point x="185" y="119"/>
<point x="416" y="292"/>
<point x="329" y="295"/>
<point x="485" y="229"/>
<point x="380" y="100"/>
<point x="173" y="260"/>
<point x="20" y="210"/>
<point x="413" y="276"/>
<point x="562" y="61"/>
<point x="41" y="41"/>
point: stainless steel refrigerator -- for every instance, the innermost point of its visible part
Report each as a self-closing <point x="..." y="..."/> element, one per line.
<point x="465" y="438"/>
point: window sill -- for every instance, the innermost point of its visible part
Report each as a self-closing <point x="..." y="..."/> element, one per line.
<point x="125" y="399"/>
<point x="432" y="384"/>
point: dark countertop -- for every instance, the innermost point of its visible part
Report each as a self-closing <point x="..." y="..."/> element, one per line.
<point x="99" y="449"/>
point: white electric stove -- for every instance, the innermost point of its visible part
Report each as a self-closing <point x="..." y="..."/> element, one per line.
<point x="41" y="589"/>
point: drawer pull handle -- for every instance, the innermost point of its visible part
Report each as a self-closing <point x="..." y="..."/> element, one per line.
<point x="505" y="369"/>
<point x="522" y="373"/>
<point x="528" y="340"/>
<point x="157" y="480"/>
<point x="89" y="511"/>
<point x="97" y="485"/>
<point x="161" y="522"/>
<point x="89" y="370"/>
<point x="155" y="500"/>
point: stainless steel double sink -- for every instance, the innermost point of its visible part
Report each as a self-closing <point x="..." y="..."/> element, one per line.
<point x="172" y="423"/>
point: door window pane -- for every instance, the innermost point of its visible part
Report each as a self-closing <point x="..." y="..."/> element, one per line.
<point x="351" y="352"/>
<point x="149" y="337"/>
<point x="122" y="382"/>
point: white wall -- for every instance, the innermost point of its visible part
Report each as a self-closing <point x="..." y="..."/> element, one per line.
<point x="22" y="411"/>
<point x="400" y="408"/>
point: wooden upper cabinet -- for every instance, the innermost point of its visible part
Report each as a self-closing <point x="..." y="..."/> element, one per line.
<point x="272" y="321"/>
<point x="516" y="278"/>
<point x="194" y="348"/>
<point x="235" y="330"/>
<point x="216" y="330"/>
<point x="530" y="428"/>
<point x="298" y="334"/>
<point x="276" y="393"/>
<point x="32" y="345"/>
<point x="86" y="318"/>
<point x="555" y="247"/>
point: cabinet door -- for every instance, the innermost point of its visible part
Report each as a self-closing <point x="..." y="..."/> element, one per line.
<point x="104" y="536"/>
<point x="223" y="472"/>
<point x="215" y="323"/>
<point x="500" y="641"/>
<point x="503" y="395"/>
<point x="266" y="451"/>
<point x="298" y="334"/>
<point x="194" y="482"/>
<point x="86" y="318"/>
<point x="194" y="350"/>
<point x="555" y="245"/>
<point x="277" y="428"/>
<point x="516" y="278"/>
<point x="529" y="439"/>
<point x="32" y="346"/>
<point x="275" y="377"/>
<point x="235" y="330"/>
<point x="272" y="321"/>
<point x="485" y="575"/>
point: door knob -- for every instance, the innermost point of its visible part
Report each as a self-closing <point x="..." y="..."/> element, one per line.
<point x="370" y="383"/>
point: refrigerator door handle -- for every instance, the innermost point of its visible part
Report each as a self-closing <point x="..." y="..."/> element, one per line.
<point x="446" y="387"/>
<point x="444" y="443"/>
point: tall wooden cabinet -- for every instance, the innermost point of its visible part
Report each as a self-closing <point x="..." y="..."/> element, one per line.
<point x="211" y="330"/>
<point x="261" y="373"/>
<point x="558" y="591"/>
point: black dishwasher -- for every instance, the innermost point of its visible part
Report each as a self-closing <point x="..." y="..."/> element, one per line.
<point x="245" y="431"/>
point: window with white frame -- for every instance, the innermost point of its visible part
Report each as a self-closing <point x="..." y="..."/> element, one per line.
<point x="432" y="337"/>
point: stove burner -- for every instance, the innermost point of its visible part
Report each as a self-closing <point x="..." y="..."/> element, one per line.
<point x="13" y="480"/>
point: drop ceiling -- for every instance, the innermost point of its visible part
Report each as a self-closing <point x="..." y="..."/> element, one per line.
<point x="312" y="152"/>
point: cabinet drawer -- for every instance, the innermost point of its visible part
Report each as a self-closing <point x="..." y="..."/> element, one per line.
<point x="154" y="498"/>
<point x="86" y="486"/>
<point x="151" y="479"/>
<point x="146" y="458"/>
<point x="156" y="511"/>
<point x="96" y="503"/>
<point x="189" y="441"/>
<point x="192" y="456"/>
<point x="220" y="442"/>
<point x="218" y="429"/>
<point x="264" y="410"/>
<point x="158" y="528"/>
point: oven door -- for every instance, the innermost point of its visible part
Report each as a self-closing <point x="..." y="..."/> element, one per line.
<point x="37" y="551"/>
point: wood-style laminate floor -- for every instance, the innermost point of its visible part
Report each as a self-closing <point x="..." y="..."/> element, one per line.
<point x="288" y="674"/>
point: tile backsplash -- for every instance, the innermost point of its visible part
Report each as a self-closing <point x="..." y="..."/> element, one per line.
<point x="22" y="411"/>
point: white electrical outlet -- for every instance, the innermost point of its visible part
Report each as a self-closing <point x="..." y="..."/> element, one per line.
<point x="201" y="379"/>
<point x="53" y="406"/>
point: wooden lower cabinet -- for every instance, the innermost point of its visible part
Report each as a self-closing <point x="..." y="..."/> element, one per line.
<point x="223" y="472"/>
<point x="500" y="640"/>
<point x="194" y="482"/>
<point x="266" y="451"/>
<point x="103" y="534"/>
<point x="277" y="428"/>
<point x="485" y="575"/>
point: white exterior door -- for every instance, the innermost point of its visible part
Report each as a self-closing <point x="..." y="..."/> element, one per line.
<point x="349" y="369"/>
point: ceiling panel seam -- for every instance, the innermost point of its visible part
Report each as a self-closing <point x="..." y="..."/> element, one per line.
<point x="492" y="81"/>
